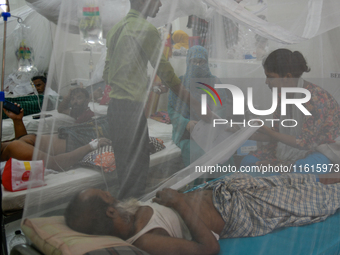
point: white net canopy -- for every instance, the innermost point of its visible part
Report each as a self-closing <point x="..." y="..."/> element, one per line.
<point x="173" y="94"/>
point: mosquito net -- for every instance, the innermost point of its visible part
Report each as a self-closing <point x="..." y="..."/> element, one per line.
<point x="179" y="93"/>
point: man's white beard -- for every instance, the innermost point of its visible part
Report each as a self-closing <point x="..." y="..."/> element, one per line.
<point x="128" y="208"/>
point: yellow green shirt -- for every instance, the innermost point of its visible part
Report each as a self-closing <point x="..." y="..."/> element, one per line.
<point x="130" y="45"/>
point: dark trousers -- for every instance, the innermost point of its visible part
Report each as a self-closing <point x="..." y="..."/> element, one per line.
<point x="130" y="140"/>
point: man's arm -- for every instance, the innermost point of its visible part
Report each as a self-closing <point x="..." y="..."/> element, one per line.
<point x="280" y="137"/>
<point x="19" y="127"/>
<point x="330" y="178"/>
<point x="260" y="137"/>
<point x="64" y="105"/>
<point x="152" y="48"/>
<point x="203" y="241"/>
<point x="22" y="150"/>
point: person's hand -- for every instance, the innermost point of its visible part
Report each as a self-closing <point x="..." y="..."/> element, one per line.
<point x="264" y="130"/>
<point x="159" y="88"/>
<point x="103" y="142"/>
<point x="14" y="116"/>
<point x="190" y="126"/>
<point x="97" y="143"/>
<point x="168" y="197"/>
<point x="97" y="95"/>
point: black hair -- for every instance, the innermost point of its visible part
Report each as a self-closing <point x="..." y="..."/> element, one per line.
<point x="81" y="90"/>
<point x="88" y="215"/>
<point x="284" y="61"/>
<point x="42" y="78"/>
<point x="134" y="3"/>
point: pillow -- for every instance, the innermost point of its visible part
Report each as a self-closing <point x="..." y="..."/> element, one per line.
<point x="104" y="157"/>
<point x="100" y="158"/>
<point x="52" y="237"/>
<point x="155" y="145"/>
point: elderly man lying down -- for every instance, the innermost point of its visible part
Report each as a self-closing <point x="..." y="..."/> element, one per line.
<point x="235" y="206"/>
<point x="52" y="149"/>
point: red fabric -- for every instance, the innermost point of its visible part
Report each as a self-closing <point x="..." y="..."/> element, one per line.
<point x="106" y="98"/>
<point x="7" y="176"/>
<point x="86" y="116"/>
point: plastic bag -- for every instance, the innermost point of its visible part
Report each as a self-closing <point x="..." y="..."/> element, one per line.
<point x="24" y="51"/>
<point x="18" y="84"/>
<point x="90" y="23"/>
<point x="17" y="174"/>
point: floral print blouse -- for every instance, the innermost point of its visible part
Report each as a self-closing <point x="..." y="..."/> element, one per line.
<point x="321" y="127"/>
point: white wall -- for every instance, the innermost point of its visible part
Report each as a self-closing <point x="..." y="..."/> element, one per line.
<point x="181" y="24"/>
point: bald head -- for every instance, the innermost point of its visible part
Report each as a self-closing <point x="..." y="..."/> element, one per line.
<point x="86" y="213"/>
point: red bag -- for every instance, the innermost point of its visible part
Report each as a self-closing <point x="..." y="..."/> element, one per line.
<point x="18" y="176"/>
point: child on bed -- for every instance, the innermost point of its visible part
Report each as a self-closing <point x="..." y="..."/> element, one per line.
<point x="51" y="148"/>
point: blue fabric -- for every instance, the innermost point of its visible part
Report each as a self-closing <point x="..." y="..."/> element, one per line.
<point x="321" y="238"/>
<point x="249" y="160"/>
<point x="312" y="161"/>
<point x="192" y="72"/>
<point x="179" y="111"/>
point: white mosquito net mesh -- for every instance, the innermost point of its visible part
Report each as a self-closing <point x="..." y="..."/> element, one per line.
<point x="157" y="140"/>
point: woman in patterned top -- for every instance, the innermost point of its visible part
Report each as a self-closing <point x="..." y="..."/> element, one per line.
<point x="295" y="145"/>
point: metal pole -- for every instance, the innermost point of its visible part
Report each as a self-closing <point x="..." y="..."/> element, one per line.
<point x="5" y="16"/>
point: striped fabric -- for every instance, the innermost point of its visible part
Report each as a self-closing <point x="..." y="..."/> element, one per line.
<point x="31" y="104"/>
<point x="256" y="206"/>
<point x="120" y="250"/>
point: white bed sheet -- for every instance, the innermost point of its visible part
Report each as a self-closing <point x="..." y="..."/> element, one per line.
<point x="61" y="184"/>
<point x="57" y="186"/>
<point x="156" y="129"/>
<point x="163" y="131"/>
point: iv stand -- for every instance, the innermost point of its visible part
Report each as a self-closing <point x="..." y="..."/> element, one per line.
<point x="5" y="16"/>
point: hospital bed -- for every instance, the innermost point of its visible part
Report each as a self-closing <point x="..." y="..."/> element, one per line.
<point x="319" y="238"/>
<point x="80" y="178"/>
<point x="59" y="185"/>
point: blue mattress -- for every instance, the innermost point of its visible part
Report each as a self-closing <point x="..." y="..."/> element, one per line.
<point x="314" y="239"/>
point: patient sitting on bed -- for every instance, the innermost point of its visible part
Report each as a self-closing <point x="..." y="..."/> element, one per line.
<point x="51" y="148"/>
<point x="235" y="206"/>
<point x="76" y="104"/>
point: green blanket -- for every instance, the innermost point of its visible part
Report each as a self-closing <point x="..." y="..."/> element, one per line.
<point x="31" y="104"/>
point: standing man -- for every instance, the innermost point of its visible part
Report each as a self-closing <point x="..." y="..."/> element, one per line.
<point x="132" y="43"/>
